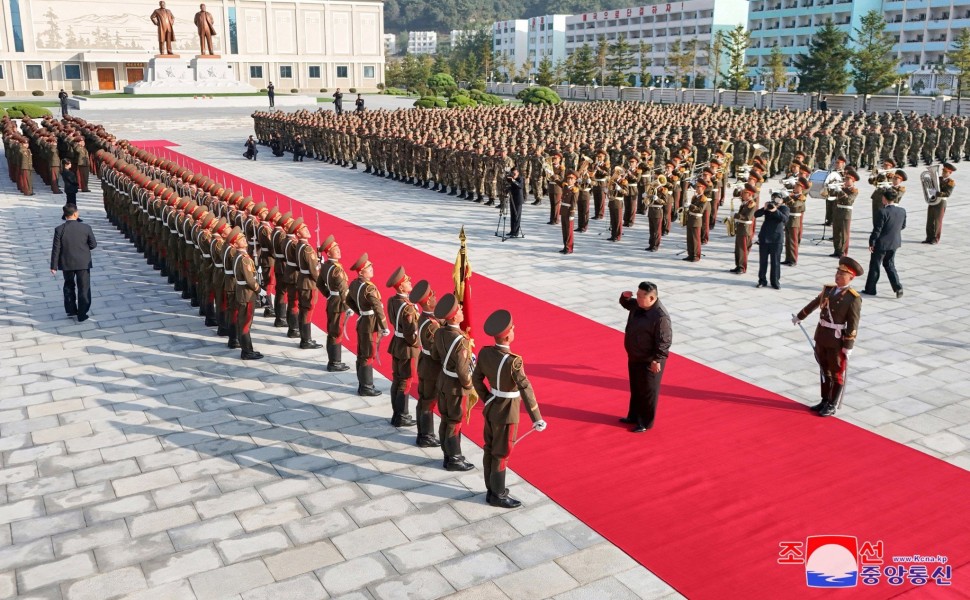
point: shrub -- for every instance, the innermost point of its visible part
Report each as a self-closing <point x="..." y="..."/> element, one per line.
<point x="391" y="91"/>
<point x="380" y="86"/>
<point x="538" y="95"/>
<point x="430" y="102"/>
<point x="263" y="90"/>
<point x="3" y="93"/>
<point x="31" y="110"/>
<point x="13" y="113"/>
<point x="37" y="93"/>
<point x="3" y="112"/>
<point x="461" y="100"/>
<point x="86" y="92"/>
<point x="485" y="99"/>
<point x="352" y="90"/>
<point x="294" y="91"/>
<point x="324" y="90"/>
<point x="442" y="82"/>
<point x="478" y="84"/>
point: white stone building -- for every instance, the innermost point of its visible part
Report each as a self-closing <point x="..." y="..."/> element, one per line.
<point x="422" y="42"/>
<point x="924" y="32"/>
<point x="511" y="39"/>
<point x="105" y="45"/>
<point x="390" y="44"/>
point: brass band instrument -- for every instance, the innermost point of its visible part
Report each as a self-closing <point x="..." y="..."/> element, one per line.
<point x="930" y="179"/>
<point x="729" y="220"/>
<point x="547" y="166"/>
<point x="583" y="168"/>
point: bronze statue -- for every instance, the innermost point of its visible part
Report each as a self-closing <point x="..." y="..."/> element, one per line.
<point x="163" y="19"/>
<point x="203" y="21"/>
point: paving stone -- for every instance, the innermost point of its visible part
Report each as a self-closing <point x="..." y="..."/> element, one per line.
<point x="196" y="489"/>
<point x="422" y="553"/>
<point x="304" y="587"/>
<point x="52" y="573"/>
<point x="534" y="519"/>
<point x="130" y="552"/>
<point x="472" y="569"/>
<point x="124" y="507"/>
<point x="206" y="467"/>
<point x="302" y="560"/>
<point x="205" y="532"/>
<point x="18" y="473"/>
<point x="484" y="591"/>
<point x="24" y="555"/>
<point x="229" y="503"/>
<point x="8" y="585"/>
<point x="253" y="545"/>
<point x="319" y="527"/>
<point x="244" y="478"/>
<point x="290" y="487"/>
<point x="104" y="472"/>
<point x="596" y="562"/>
<point x="369" y="539"/>
<point x="64" y="432"/>
<point x="180" y="566"/>
<point x="579" y="534"/>
<point x="644" y="583"/>
<point x="608" y="588"/>
<point x="161" y="520"/>
<point x="381" y="509"/>
<point x="540" y="581"/>
<point x="483" y="534"/>
<point x="82" y="496"/>
<point x="536" y="548"/>
<point x="131" y="450"/>
<point x="107" y="585"/>
<point x="55" y="408"/>
<point x="229" y="581"/>
<point x="354" y="574"/>
<point x="25" y="509"/>
<point x="421" y="585"/>
<point x="434" y="519"/>
<point x="332" y="498"/>
<point x="35" y="453"/>
<point x="40" y="486"/>
<point x="271" y="515"/>
<point x="145" y="482"/>
<point x="41" y="527"/>
<point x="90" y="538"/>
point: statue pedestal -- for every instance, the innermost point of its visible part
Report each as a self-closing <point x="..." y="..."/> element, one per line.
<point x="200" y="75"/>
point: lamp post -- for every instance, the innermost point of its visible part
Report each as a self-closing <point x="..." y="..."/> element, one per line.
<point x="900" y="86"/>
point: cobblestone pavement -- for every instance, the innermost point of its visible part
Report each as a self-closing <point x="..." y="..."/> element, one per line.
<point x="142" y="459"/>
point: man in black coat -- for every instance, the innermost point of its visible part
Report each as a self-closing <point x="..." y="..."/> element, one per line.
<point x="338" y="102"/>
<point x="885" y="239"/>
<point x="71" y="253"/>
<point x="271" y="94"/>
<point x="516" y="187"/>
<point x="647" y="342"/>
<point x="62" y="96"/>
<point x="771" y="240"/>
<point x="70" y="182"/>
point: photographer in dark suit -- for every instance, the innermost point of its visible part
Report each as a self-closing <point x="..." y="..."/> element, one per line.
<point x="516" y="187"/>
<point x="71" y="253"/>
<point x="885" y="239"/>
<point x="70" y="182"/>
<point x="251" y="149"/>
<point x="771" y="240"/>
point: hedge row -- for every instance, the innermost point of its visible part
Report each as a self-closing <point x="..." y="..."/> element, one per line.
<point x="18" y="111"/>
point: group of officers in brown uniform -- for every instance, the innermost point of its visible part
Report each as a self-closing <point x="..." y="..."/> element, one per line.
<point x="223" y="251"/>
<point x="44" y="149"/>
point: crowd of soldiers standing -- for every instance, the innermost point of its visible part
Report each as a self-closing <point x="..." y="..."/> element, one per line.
<point x="44" y="148"/>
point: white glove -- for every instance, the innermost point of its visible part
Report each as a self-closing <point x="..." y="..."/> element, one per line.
<point x="847" y="352"/>
<point x="349" y="312"/>
<point x="539" y="425"/>
<point x="262" y="293"/>
<point x="795" y="320"/>
<point x="385" y="332"/>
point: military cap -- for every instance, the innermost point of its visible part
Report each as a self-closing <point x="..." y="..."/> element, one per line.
<point x="420" y="292"/>
<point x="234" y="198"/>
<point x="222" y="226"/>
<point x="273" y="215"/>
<point x="327" y="244"/>
<point x="888" y="161"/>
<point x="284" y="221"/>
<point x="852" y="265"/>
<point x="362" y="263"/>
<point x="295" y="226"/>
<point x="634" y="158"/>
<point x="396" y="277"/>
<point x="800" y="153"/>
<point x="852" y="173"/>
<point x="715" y="161"/>
<point x="750" y="188"/>
<point x="498" y="323"/>
<point x="708" y="170"/>
<point x="182" y="203"/>
<point x="901" y="174"/>
<point x="804" y="182"/>
<point x="259" y="208"/>
<point x="447" y="307"/>
<point x="571" y="174"/>
<point x="841" y="159"/>
<point x="601" y="152"/>
<point x="199" y="211"/>
<point x="233" y="235"/>
<point x="207" y="220"/>
<point x="700" y="183"/>
<point x="949" y="167"/>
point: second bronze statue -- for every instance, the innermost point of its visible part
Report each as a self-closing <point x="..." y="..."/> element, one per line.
<point x="204" y="23"/>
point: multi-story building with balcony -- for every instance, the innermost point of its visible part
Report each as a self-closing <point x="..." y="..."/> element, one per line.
<point x="510" y="42"/>
<point x="546" y="39"/>
<point x="422" y="42"/>
<point x="659" y="25"/>
<point x="925" y="30"/>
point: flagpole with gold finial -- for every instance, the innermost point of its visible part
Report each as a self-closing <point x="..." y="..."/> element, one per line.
<point x="463" y="292"/>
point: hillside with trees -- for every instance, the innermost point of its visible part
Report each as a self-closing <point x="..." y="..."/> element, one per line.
<point x="445" y="15"/>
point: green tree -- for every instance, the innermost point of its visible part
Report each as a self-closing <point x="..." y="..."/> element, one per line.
<point x="715" y="57"/>
<point x="582" y="69"/>
<point x="544" y="75"/>
<point x="774" y="72"/>
<point x="504" y="65"/>
<point x="559" y="71"/>
<point x="416" y="70"/>
<point x="643" y="56"/>
<point x="823" y="69"/>
<point x="394" y="73"/>
<point x="472" y="57"/>
<point x="874" y="65"/>
<point x="538" y="95"/>
<point x="442" y="83"/>
<point x="602" y="58"/>
<point x="736" y="43"/>
<point x="680" y="60"/>
<point x="959" y="57"/>
<point x="619" y="62"/>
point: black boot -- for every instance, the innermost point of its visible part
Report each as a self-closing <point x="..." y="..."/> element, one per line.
<point x="827" y="409"/>
<point x="186" y="292"/>
<point x="293" y="331"/>
<point x="247" y="349"/>
<point x="500" y="494"/>
<point x="818" y="406"/>
<point x="454" y="461"/>
<point x="399" y="403"/>
<point x="194" y="295"/>
<point x="233" y="341"/>
<point x="333" y="359"/>
<point x="223" y="330"/>
<point x="210" y="320"/>
<point x="305" y="342"/>
<point x="365" y="382"/>
<point x="426" y="436"/>
<point x="280" y="319"/>
<point x="269" y="311"/>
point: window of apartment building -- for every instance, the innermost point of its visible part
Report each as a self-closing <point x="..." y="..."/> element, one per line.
<point x="1" y="71"/>
<point x="72" y="72"/>
<point x="255" y="72"/>
<point x="35" y="72"/>
<point x="368" y="72"/>
<point x="314" y="72"/>
<point x="341" y="72"/>
<point x="286" y="72"/>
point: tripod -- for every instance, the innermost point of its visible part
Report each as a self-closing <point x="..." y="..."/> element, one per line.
<point x="502" y="223"/>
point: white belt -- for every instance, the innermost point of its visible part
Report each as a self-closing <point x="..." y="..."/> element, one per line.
<point x="243" y="283"/>
<point x="602" y="180"/>
<point x="742" y="222"/>
<point x="832" y="199"/>
<point x="218" y="264"/>
<point x="228" y="272"/>
<point x="278" y="255"/>
<point x="204" y="255"/>
<point x="289" y="264"/>
<point x="451" y="349"/>
<point x="366" y="313"/>
<point x="658" y="206"/>
<point x="332" y="294"/>
<point x="189" y="242"/>
<point x="151" y="218"/>
<point x="837" y="327"/>
<point x="845" y="206"/>
<point x="696" y="215"/>
<point x="398" y="334"/>
<point x="304" y="272"/>
<point x="427" y="352"/>
<point x="505" y="395"/>
<point x="795" y="215"/>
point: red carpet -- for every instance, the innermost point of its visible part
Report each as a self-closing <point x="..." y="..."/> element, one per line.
<point x="731" y="470"/>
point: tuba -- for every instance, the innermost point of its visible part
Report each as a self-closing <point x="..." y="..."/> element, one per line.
<point x="930" y="179"/>
<point x="584" y="164"/>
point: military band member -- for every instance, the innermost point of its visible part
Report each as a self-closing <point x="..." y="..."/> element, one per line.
<point x="567" y="211"/>
<point x="744" y="228"/>
<point x="601" y="174"/>
<point x="332" y="283"/>
<point x="830" y="198"/>
<point x="881" y="180"/>
<point x="452" y="350"/>
<point x="428" y="369"/>
<point x="898" y="178"/>
<point x="554" y="179"/>
<point x="584" y="182"/>
<point x="364" y="299"/>
<point x="835" y="335"/>
<point x="695" y="218"/>
<point x="308" y="264"/>
<point x="616" y="188"/>
<point x="507" y="387"/>
<point x="658" y="204"/>
<point x="229" y="286"/>
<point x="403" y="347"/>
<point x="934" y="212"/>
<point x="247" y="290"/>
<point x="631" y="196"/>
<point x="793" y="229"/>
<point x="842" y="217"/>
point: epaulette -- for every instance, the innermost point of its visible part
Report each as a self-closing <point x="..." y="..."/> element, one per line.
<point x="853" y="292"/>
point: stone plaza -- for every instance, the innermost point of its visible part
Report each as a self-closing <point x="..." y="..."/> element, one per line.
<point x="142" y="459"/>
